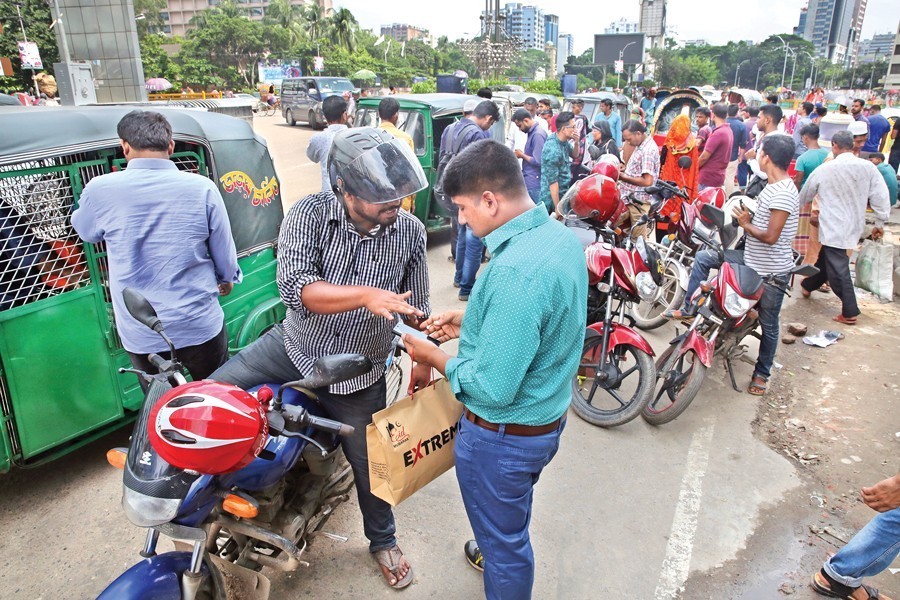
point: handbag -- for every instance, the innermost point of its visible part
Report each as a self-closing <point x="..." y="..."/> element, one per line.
<point x="410" y="443"/>
<point x="875" y="269"/>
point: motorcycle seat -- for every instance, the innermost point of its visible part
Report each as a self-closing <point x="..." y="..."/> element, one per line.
<point x="748" y="281"/>
<point x="336" y="368"/>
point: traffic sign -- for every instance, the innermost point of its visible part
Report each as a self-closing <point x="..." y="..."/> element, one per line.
<point x="620" y="66"/>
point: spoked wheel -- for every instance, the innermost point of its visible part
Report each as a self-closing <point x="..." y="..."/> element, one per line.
<point x="680" y="379"/>
<point x="649" y="315"/>
<point x="617" y="392"/>
<point x="270" y="110"/>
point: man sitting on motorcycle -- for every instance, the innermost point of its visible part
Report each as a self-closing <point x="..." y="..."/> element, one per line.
<point x="770" y="232"/>
<point x="349" y="259"/>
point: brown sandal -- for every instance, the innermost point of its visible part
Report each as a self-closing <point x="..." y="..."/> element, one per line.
<point x="844" y="320"/>
<point x="864" y="592"/>
<point x="758" y="386"/>
<point x="389" y="562"/>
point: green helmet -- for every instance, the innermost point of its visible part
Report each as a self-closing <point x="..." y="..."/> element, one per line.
<point x="374" y="166"/>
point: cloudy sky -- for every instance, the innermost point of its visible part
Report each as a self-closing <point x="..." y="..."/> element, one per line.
<point x="693" y="19"/>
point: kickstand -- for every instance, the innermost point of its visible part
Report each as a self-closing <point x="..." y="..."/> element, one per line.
<point x="730" y="369"/>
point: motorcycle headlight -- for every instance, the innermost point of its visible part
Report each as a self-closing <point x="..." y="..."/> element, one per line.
<point x="735" y="305"/>
<point x="147" y="511"/>
<point x="646" y="287"/>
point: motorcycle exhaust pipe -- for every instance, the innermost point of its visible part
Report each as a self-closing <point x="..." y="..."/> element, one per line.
<point x="292" y="563"/>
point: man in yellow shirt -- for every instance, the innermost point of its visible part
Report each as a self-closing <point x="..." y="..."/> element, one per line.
<point x="389" y="113"/>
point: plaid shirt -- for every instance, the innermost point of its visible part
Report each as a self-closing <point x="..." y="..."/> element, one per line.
<point x="319" y="243"/>
<point x="644" y="159"/>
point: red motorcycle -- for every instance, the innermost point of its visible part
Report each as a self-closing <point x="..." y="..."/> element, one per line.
<point x="616" y="377"/>
<point x="726" y="316"/>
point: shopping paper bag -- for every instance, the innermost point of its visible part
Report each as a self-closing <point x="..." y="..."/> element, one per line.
<point x="410" y="443"/>
<point x="875" y="269"/>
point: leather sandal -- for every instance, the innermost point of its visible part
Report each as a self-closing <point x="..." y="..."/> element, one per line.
<point x="822" y="584"/>
<point x="389" y="562"/>
<point x="844" y="320"/>
<point x="758" y="386"/>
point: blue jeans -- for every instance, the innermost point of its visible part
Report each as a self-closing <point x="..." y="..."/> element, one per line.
<point x="768" y="307"/>
<point x="496" y="474"/>
<point x="743" y="173"/>
<point x="266" y="361"/>
<point x="869" y="552"/>
<point x="535" y="195"/>
<point x="469" y="251"/>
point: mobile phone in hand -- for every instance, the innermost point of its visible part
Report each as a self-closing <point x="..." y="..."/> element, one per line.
<point x="401" y="329"/>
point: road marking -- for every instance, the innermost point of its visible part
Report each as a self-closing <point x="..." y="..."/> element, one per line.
<point x="677" y="562"/>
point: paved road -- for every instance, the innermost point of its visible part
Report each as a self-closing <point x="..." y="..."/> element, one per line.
<point x="624" y="513"/>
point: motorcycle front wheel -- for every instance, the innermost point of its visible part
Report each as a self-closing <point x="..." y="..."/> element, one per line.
<point x="680" y="378"/>
<point x="649" y="315"/>
<point x="616" y="393"/>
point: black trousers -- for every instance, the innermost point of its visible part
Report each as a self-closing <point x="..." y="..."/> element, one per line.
<point x="454" y="236"/>
<point x="200" y="360"/>
<point x="834" y="267"/>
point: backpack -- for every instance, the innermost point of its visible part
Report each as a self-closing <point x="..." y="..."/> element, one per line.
<point x="455" y="147"/>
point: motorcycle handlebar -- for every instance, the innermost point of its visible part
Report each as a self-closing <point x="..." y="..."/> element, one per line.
<point x="330" y="426"/>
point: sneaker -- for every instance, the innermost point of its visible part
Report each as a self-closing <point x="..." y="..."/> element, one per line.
<point x="456" y="285"/>
<point x="473" y="555"/>
<point x="463" y="297"/>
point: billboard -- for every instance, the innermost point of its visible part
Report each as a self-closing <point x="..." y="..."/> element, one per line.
<point x="273" y="72"/>
<point x="31" y="58"/>
<point x="608" y="46"/>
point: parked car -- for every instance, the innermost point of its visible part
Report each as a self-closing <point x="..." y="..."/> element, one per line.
<point x="59" y="350"/>
<point x="301" y="98"/>
<point x="424" y="117"/>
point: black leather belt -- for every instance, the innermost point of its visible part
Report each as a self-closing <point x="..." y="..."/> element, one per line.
<point x="514" y="428"/>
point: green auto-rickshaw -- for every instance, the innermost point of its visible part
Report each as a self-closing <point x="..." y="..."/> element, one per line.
<point x="59" y="350"/>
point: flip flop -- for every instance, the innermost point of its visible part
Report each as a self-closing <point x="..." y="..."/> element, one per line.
<point x="677" y="315"/>
<point x="837" y="590"/>
<point x="757" y="387"/>
<point x="389" y="562"/>
<point x="844" y="320"/>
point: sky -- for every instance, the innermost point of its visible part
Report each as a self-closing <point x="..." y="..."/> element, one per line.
<point x="760" y="20"/>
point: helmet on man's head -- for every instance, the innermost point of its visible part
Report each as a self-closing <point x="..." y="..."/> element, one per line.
<point x="373" y="166"/>
<point x="594" y="197"/>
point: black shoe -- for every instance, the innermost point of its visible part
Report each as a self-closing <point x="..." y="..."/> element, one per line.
<point x="456" y="285"/>
<point x="463" y="297"/>
<point x="473" y="555"/>
<point x="451" y="258"/>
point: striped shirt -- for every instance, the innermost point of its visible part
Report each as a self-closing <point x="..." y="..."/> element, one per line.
<point x="777" y="258"/>
<point x="319" y="243"/>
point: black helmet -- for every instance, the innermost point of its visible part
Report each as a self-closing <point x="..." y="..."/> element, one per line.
<point x="374" y="166"/>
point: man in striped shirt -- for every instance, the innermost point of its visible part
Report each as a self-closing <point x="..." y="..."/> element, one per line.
<point x="349" y="260"/>
<point x="770" y="234"/>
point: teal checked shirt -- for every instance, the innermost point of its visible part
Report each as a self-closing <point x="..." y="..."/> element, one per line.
<point x="523" y="331"/>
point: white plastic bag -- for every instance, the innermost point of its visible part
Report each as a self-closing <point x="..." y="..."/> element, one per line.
<point x="875" y="269"/>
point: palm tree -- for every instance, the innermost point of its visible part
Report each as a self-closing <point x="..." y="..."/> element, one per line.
<point x="316" y="20"/>
<point x="289" y="16"/>
<point x="344" y="28"/>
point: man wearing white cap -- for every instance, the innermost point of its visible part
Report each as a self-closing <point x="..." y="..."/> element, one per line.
<point x="860" y="132"/>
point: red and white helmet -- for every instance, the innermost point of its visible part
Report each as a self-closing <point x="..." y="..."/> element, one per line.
<point x="208" y="427"/>
<point x="711" y="195"/>
<point x="594" y="197"/>
<point x="608" y="166"/>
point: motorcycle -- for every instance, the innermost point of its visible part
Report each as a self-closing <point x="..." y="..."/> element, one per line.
<point x="726" y="316"/>
<point x="236" y="514"/>
<point x="616" y="375"/>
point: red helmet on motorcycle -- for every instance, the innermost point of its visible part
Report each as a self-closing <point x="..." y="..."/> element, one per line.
<point x="594" y="197"/>
<point x="712" y="195"/>
<point x="208" y="427"/>
<point x="607" y="165"/>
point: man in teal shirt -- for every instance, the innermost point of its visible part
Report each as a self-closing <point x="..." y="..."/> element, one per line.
<point x="889" y="174"/>
<point x="556" y="176"/>
<point x="519" y="348"/>
<point x="812" y="158"/>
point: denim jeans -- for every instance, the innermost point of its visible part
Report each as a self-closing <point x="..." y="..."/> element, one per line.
<point x="743" y="173"/>
<point x="266" y="361"/>
<point x="768" y="307"/>
<point x="496" y="474"/>
<point x="535" y="195"/>
<point x="469" y="251"/>
<point x="869" y="552"/>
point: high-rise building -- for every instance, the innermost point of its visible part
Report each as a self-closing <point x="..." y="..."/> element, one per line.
<point x="179" y="13"/>
<point x="623" y="25"/>
<point x="892" y="81"/>
<point x="526" y="23"/>
<point x="564" y="50"/>
<point x="833" y="27"/>
<point x="551" y="29"/>
<point x="401" y="32"/>
<point x="878" y="47"/>
<point x="653" y="22"/>
<point x="801" y="23"/>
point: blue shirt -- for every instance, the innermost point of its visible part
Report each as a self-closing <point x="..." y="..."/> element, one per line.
<point x="534" y="147"/>
<point x="468" y="128"/>
<point x="522" y="334"/>
<point x="890" y="178"/>
<point x="167" y="236"/>
<point x="740" y="136"/>
<point x="555" y="160"/>
<point x="878" y="126"/>
<point x="615" y="125"/>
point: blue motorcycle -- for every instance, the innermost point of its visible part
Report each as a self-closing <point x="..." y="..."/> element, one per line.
<point x="228" y="527"/>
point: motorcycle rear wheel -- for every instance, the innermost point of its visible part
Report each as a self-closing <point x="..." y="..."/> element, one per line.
<point x="690" y="373"/>
<point x="649" y="315"/>
<point x="602" y="404"/>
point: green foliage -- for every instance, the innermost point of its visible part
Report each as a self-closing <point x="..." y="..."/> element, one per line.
<point x="528" y="63"/>
<point x="37" y="19"/>
<point x="152" y="21"/>
<point x="546" y="86"/>
<point x="425" y="87"/>
<point x="156" y="61"/>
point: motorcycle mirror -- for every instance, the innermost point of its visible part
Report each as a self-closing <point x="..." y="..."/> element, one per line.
<point x="685" y="162"/>
<point x="805" y="270"/>
<point x="651" y="189"/>
<point x="141" y="309"/>
<point x="714" y="215"/>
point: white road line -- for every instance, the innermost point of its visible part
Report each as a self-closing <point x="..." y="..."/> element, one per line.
<point x="677" y="562"/>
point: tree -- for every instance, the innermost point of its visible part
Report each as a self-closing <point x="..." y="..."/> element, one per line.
<point x="289" y="16"/>
<point x="156" y="61"/>
<point x="316" y="20"/>
<point x="36" y="17"/>
<point x="343" y="28"/>
<point x="152" y="21"/>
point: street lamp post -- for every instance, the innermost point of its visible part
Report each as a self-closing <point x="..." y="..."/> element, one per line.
<point x="756" y="86"/>
<point x="812" y="69"/>
<point x="621" y="59"/>
<point x="793" y="68"/>
<point x="737" y="72"/>
<point x="784" y="68"/>
<point x="872" y="76"/>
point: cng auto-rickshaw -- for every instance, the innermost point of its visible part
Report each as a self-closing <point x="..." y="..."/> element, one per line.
<point x="59" y="350"/>
<point x="424" y="117"/>
<point x="676" y="102"/>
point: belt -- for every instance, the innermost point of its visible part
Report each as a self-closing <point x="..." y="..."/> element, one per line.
<point x="514" y="428"/>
